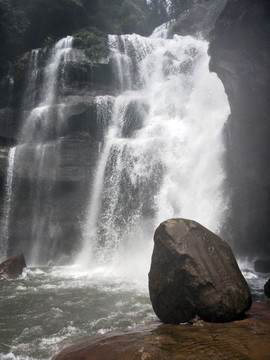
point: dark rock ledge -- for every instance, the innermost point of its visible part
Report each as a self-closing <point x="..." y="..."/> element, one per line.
<point x="248" y="339"/>
<point x="12" y="268"/>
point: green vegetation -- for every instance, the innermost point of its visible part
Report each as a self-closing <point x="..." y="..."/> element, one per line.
<point x="93" y="41"/>
<point x="120" y="16"/>
<point x="28" y="24"/>
<point x="22" y="62"/>
<point x="84" y="135"/>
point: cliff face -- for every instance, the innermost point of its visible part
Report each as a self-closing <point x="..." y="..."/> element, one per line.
<point x="199" y="19"/>
<point x="240" y="53"/>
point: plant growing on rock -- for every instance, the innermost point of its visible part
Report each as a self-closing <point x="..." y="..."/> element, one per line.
<point x="92" y="41"/>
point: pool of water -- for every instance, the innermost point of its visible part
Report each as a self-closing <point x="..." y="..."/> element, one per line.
<point x="50" y="308"/>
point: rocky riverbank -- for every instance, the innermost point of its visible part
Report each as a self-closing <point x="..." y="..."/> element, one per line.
<point x="239" y="340"/>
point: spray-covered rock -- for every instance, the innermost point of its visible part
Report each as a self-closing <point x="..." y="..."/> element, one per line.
<point x="12" y="268"/>
<point x="194" y="272"/>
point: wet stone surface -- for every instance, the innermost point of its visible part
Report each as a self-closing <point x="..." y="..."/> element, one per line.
<point x="239" y="340"/>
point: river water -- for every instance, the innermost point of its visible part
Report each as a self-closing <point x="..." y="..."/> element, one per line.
<point x="50" y="308"/>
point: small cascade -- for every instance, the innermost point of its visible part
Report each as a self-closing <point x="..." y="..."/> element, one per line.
<point x="44" y="223"/>
<point x="30" y="95"/>
<point x="40" y="124"/>
<point x="7" y="206"/>
<point x="162" y="153"/>
<point x="38" y="153"/>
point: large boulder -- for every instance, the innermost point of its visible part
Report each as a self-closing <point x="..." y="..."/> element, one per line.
<point x="12" y="268"/>
<point x="194" y="272"/>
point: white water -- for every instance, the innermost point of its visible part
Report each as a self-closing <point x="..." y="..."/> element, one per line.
<point x="7" y="206"/>
<point x="51" y="308"/>
<point x="39" y="121"/>
<point x="44" y="121"/>
<point x="162" y="155"/>
<point x="32" y="77"/>
<point x="37" y="156"/>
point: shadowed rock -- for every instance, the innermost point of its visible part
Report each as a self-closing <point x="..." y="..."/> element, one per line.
<point x="194" y="272"/>
<point x="267" y="288"/>
<point x="240" y="52"/>
<point x="12" y="268"/>
<point x="262" y="266"/>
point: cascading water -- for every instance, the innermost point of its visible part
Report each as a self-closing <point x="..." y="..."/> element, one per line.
<point x="38" y="124"/>
<point x="162" y="154"/>
<point x="38" y="153"/>
<point x="7" y="204"/>
<point x="41" y="126"/>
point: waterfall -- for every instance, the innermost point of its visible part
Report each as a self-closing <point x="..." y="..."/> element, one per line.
<point x="7" y="205"/>
<point x="30" y="93"/>
<point x="37" y="156"/>
<point x="162" y="153"/>
<point x="39" y="124"/>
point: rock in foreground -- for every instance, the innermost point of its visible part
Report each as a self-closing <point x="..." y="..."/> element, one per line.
<point x="12" y="268"/>
<point x="194" y="272"/>
<point x="239" y="340"/>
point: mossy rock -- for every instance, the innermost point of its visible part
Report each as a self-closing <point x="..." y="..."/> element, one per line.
<point x="84" y="135"/>
<point x="93" y="42"/>
<point x="22" y="62"/>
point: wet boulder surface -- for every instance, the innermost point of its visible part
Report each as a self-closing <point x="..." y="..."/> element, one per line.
<point x="248" y="339"/>
<point x="194" y="272"/>
<point x="12" y="268"/>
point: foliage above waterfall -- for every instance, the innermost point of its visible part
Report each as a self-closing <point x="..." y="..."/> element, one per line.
<point x="29" y="24"/>
<point x="92" y="41"/>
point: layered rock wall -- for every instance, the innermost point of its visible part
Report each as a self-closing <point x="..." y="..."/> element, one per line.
<point x="50" y="186"/>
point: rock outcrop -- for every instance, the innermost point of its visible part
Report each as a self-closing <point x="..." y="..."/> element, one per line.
<point x="53" y="170"/>
<point x="235" y="340"/>
<point x="267" y="288"/>
<point x="199" y="19"/>
<point x="240" y="52"/>
<point x="12" y="268"/>
<point x="194" y="272"/>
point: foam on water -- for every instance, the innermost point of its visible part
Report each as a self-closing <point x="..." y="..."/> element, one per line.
<point x="55" y="307"/>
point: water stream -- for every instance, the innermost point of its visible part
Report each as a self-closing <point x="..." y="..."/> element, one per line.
<point x="7" y="205"/>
